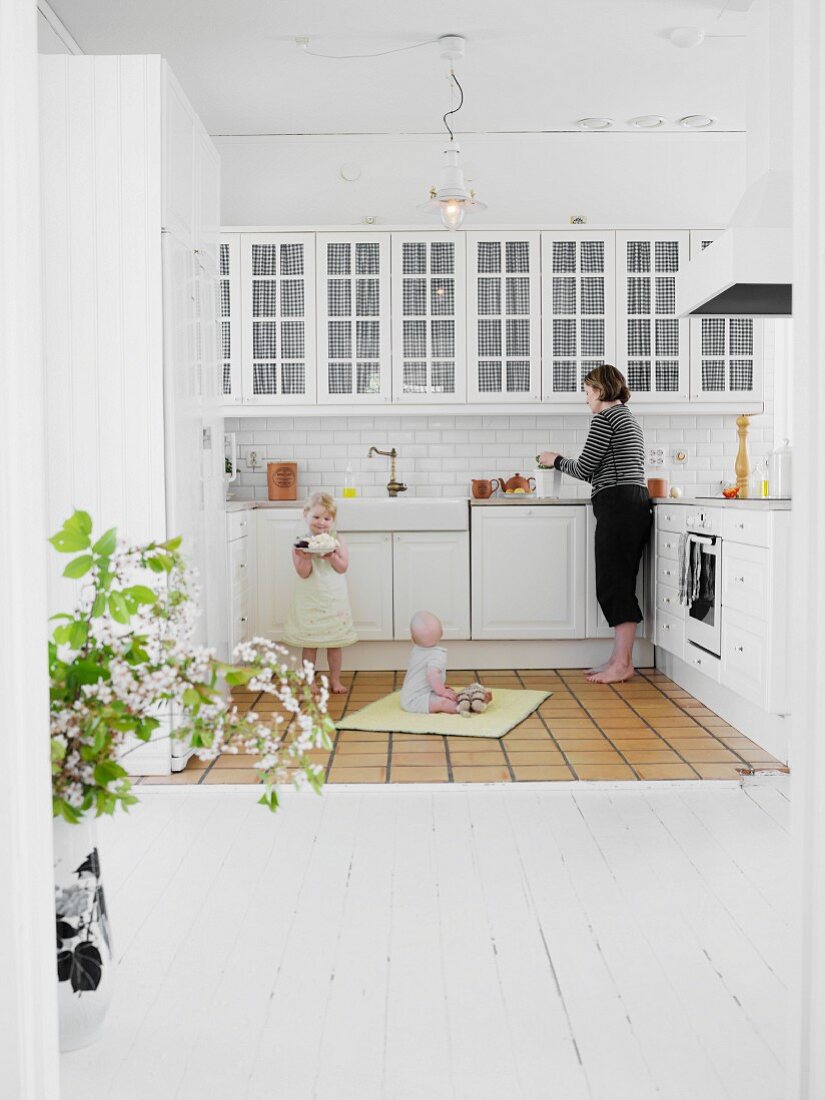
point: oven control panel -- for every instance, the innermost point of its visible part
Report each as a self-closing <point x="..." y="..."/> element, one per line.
<point x="707" y="521"/>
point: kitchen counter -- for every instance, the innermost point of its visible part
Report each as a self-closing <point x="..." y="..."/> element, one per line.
<point x="760" y="504"/>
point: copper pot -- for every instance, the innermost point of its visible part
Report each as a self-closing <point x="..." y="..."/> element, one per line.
<point x="484" y="487"/>
<point x="657" y="486"/>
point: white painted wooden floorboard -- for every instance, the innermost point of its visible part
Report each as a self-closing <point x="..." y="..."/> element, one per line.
<point x="650" y="1041"/>
<point x="774" y="801"/>
<point x="667" y="912"/>
<point x="439" y="943"/>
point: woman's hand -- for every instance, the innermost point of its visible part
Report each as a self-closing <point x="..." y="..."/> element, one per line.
<point x="548" y="458"/>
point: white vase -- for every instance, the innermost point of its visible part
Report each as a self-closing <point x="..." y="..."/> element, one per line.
<point x="85" y="967"/>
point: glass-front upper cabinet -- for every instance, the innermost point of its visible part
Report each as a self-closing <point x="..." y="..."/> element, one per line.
<point x="229" y="317"/>
<point x="578" y="308"/>
<point x="353" y="318"/>
<point x="652" y="339"/>
<point x="278" y="311"/>
<point x="726" y="361"/>
<point x="428" y="317"/>
<point x="503" y="317"/>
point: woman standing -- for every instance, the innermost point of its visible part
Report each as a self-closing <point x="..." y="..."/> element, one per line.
<point x="613" y="460"/>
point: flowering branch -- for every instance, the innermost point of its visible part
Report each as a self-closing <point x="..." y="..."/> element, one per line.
<point x="125" y="661"/>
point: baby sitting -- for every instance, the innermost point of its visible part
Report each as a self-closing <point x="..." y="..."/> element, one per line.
<point x="425" y="690"/>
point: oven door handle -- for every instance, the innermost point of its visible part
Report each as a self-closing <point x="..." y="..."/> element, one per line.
<point x="707" y="542"/>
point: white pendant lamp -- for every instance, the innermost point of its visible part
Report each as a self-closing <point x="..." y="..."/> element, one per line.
<point x="451" y="198"/>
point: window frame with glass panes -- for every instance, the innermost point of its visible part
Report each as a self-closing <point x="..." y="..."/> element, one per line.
<point x="288" y="312"/>
<point x="503" y="317"/>
<point x="415" y="287"/>
<point x="573" y="274"/>
<point x="354" y="311"/>
<point x="725" y="351"/>
<point x="654" y="337"/>
<point x="229" y="327"/>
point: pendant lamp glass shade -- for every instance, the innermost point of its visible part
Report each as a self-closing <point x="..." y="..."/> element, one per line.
<point x="451" y="199"/>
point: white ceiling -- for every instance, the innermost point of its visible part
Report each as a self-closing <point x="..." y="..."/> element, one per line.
<point x="531" y="65"/>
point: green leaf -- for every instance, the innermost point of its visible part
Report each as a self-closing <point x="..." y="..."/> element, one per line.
<point x="107" y="771"/>
<point x="142" y="594"/>
<point x="155" y="565"/>
<point x="67" y="541"/>
<point x="77" y="567"/>
<point x="105" y="545"/>
<point x="172" y="544"/>
<point x="236" y="676"/>
<point x="79" y="521"/>
<point x="62" y="634"/>
<point x="99" y="606"/>
<point x="118" y="609"/>
<point x="78" y="633"/>
<point x="130" y="601"/>
<point x="191" y="698"/>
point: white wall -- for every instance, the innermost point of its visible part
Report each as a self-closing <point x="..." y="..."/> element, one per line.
<point x="668" y="180"/>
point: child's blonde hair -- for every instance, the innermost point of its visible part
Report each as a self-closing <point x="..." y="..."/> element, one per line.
<point x="326" y="501"/>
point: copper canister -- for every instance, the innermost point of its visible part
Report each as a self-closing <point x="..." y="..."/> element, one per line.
<point x="282" y="480"/>
<point x="657" y="486"/>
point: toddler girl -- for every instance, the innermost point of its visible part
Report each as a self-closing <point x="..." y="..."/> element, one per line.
<point x="319" y="615"/>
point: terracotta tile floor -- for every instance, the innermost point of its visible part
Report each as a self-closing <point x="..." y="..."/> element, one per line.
<point x="647" y="729"/>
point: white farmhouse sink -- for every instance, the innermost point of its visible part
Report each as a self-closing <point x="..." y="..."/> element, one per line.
<point x="398" y="514"/>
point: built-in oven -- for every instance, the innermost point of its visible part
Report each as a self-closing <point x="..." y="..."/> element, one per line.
<point x="703" y="625"/>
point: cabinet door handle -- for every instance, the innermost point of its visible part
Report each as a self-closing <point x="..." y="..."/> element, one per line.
<point x="739" y="580"/>
<point x="739" y="648"/>
<point x="243" y="618"/>
<point x="242" y="565"/>
<point x="739" y="526"/>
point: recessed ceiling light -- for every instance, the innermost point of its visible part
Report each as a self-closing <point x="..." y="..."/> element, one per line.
<point x="646" y="122"/>
<point x="687" y="37"/>
<point x="696" y="122"/>
<point x="594" y="123"/>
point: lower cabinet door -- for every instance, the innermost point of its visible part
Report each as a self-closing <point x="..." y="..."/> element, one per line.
<point x="369" y="580"/>
<point x="528" y="571"/>
<point x="432" y="573"/>
<point x="275" y="576"/>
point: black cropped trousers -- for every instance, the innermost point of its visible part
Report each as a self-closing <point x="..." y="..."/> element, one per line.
<point x="624" y="516"/>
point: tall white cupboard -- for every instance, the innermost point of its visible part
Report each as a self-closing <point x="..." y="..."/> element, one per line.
<point x="131" y="216"/>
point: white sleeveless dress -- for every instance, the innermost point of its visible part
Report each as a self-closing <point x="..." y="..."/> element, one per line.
<point x="319" y="613"/>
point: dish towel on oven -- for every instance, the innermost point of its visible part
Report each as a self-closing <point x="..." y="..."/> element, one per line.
<point x="690" y="569"/>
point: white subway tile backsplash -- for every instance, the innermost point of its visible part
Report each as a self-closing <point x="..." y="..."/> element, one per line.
<point x="438" y="455"/>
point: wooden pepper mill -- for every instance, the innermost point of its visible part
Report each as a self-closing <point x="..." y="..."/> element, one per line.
<point x="743" y="462"/>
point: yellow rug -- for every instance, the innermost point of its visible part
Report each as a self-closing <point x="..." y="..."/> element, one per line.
<point x="508" y="708"/>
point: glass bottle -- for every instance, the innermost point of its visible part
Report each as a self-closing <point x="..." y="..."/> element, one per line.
<point x="349" y="483"/>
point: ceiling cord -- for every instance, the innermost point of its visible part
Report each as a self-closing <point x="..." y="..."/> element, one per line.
<point x="349" y="56"/>
<point x="455" y="110"/>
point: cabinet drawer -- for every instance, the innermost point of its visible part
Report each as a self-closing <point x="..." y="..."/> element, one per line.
<point x="670" y="633"/>
<point x="237" y="524"/>
<point x="667" y="545"/>
<point x="705" y="662"/>
<point x="238" y="562"/>
<point x="746" y="579"/>
<point x="750" y="527"/>
<point x="667" y="572"/>
<point x="667" y="599"/>
<point x="744" y="656"/>
<point x="671" y="517"/>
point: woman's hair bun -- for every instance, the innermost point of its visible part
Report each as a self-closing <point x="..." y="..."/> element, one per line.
<point x="610" y="382"/>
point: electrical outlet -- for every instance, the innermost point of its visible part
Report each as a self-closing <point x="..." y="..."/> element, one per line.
<point x="253" y="460"/>
<point x="655" y="457"/>
<point x="680" y="457"/>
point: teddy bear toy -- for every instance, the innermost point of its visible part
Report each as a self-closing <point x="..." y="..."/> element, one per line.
<point x="473" y="699"/>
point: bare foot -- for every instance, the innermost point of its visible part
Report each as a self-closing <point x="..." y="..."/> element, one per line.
<point x="613" y="673"/>
<point x="337" y="688"/>
<point x="599" y="668"/>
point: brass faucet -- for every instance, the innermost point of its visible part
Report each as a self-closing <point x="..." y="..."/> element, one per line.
<point x="393" y="487"/>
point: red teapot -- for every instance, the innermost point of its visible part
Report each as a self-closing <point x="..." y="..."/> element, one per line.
<point x="517" y="484"/>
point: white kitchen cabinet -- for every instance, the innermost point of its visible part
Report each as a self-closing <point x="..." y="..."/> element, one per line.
<point x="429" y="317"/>
<point x="240" y="584"/>
<point x="370" y="583"/>
<point x="503" y="317"/>
<point x="275" y="531"/>
<point x="726" y="353"/>
<point x="278" y="318"/>
<point x="597" y="625"/>
<point x="353" y="318"/>
<point x="431" y="572"/>
<point x="528" y="572"/>
<point x="230" y="316"/>
<point x="652" y="340"/>
<point x="208" y="201"/>
<point x="578" y="309"/>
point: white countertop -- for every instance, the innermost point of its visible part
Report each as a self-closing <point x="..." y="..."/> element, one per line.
<point x="764" y="504"/>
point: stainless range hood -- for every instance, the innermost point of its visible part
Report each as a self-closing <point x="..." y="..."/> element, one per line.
<point x="748" y="269"/>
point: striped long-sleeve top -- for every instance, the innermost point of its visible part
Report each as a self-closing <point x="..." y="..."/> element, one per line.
<point x="613" y="454"/>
